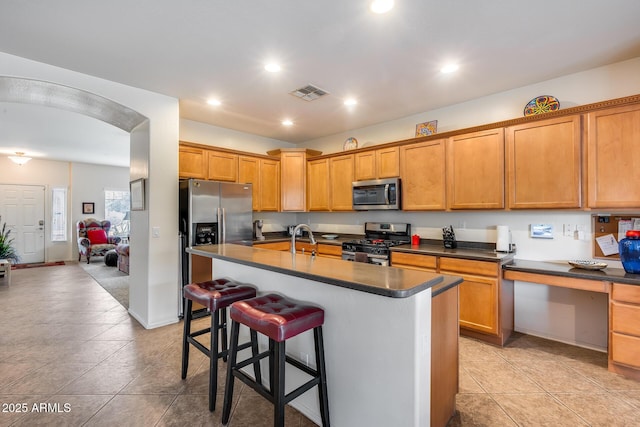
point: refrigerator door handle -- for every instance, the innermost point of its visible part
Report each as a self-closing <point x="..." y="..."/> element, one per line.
<point x="222" y="224"/>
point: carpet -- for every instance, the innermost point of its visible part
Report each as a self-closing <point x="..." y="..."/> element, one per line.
<point x="111" y="279"/>
<point x="36" y="264"/>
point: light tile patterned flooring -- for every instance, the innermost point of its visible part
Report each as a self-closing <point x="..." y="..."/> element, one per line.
<point x="66" y="341"/>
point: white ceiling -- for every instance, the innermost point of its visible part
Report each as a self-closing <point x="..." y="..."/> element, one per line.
<point x="196" y="49"/>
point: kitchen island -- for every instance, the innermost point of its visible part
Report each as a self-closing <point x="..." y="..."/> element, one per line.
<point x="382" y="327"/>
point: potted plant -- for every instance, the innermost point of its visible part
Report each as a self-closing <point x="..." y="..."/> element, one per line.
<point x="7" y="251"/>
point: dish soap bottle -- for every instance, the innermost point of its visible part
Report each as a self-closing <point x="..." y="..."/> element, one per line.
<point x="630" y="252"/>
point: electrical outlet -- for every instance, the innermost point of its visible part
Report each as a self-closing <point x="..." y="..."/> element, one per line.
<point x="568" y="230"/>
<point x="462" y="225"/>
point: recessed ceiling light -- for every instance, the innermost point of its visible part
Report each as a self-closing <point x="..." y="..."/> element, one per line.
<point x="449" y="68"/>
<point x="350" y="101"/>
<point x="214" y="102"/>
<point x="381" y="6"/>
<point x="272" y="67"/>
<point x="287" y="122"/>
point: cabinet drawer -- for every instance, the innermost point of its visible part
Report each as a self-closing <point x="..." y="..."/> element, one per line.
<point x="276" y="246"/>
<point x="480" y="268"/>
<point x="333" y="251"/>
<point x="399" y="259"/>
<point x="625" y="318"/>
<point x="627" y="293"/>
<point x="625" y="349"/>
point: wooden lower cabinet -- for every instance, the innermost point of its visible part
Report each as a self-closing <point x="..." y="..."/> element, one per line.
<point x="486" y="299"/>
<point x="322" y="250"/>
<point x="624" y="332"/>
<point x="444" y="356"/>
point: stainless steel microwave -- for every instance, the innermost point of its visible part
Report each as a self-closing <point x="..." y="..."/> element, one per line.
<point x="376" y="194"/>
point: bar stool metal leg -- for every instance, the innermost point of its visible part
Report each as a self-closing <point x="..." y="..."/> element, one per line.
<point x="185" y="337"/>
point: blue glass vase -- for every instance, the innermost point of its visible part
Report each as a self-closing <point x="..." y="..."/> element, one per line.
<point x="630" y="252"/>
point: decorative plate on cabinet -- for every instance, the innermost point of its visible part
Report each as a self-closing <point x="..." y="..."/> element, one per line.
<point x="588" y="265"/>
<point x="350" y="144"/>
<point x="541" y="104"/>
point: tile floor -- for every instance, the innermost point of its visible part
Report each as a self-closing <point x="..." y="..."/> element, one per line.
<point x="65" y="342"/>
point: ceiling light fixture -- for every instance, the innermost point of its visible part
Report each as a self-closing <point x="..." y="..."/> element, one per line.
<point x="214" y="102"/>
<point x="350" y="101"/>
<point x="449" y="68"/>
<point x="381" y="6"/>
<point x="272" y="67"/>
<point x="19" y="158"/>
<point x="287" y="123"/>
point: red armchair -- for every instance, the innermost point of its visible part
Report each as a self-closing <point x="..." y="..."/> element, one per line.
<point x="93" y="238"/>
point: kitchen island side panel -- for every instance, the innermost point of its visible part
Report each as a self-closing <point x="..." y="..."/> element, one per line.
<point x="377" y="349"/>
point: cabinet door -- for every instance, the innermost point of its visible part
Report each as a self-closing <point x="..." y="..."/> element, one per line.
<point x="330" y="251"/>
<point x="479" y="304"/>
<point x="341" y="179"/>
<point x="318" y="185"/>
<point x="223" y="166"/>
<point x="192" y="163"/>
<point x="475" y="170"/>
<point x="248" y="172"/>
<point x="293" y="181"/>
<point x="365" y="165"/>
<point x="422" y="171"/>
<point x="544" y="164"/>
<point x="269" y="185"/>
<point x="388" y="162"/>
<point x="613" y="166"/>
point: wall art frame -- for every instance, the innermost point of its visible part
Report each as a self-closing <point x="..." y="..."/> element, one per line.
<point x="136" y="189"/>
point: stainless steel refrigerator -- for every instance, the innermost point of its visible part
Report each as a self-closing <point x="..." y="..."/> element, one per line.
<point x="212" y="212"/>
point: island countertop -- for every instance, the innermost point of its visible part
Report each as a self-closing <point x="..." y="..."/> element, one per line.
<point x="381" y="280"/>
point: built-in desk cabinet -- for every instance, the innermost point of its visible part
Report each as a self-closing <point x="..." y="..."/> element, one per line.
<point x="422" y="169"/>
<point x="624" y="333"/>
<point x="475" y="170"/>
<point x="544" y="164"/>
<point x="613" y="166"/>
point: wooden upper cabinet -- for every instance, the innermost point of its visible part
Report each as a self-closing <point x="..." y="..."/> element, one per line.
<point x="341" y="173"/>
<point x="192" y="163"/>
<point x="544" y="164"/>
<point x="613" y="164"/>
<point x="293" y="177"/>
<point x="249" y="173"/>
<point x="388" y="162"/>
<point x="475" y="170"/>
<point x="222" y="166"/>
<point x="269" y="185"/>
<point x="422" y="168"/>
<point x="318" y="185"/>
<point x="377" y="164"/>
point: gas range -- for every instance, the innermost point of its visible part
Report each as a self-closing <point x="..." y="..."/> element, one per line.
<point x="379" y="237"/>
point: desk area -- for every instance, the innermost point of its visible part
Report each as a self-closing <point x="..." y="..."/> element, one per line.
<point x="623" y="290"/>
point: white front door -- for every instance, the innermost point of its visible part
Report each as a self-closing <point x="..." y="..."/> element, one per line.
<point x="22" y="209"/>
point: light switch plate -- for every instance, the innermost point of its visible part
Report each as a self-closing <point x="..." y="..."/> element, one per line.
<point x="155" y="232"/>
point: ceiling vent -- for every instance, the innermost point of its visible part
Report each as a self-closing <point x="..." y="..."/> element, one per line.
<point x="309" y="92"/>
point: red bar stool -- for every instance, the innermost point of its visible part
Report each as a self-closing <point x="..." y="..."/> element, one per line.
<point x="216" y="296"/>
<point x="279" y="319"/>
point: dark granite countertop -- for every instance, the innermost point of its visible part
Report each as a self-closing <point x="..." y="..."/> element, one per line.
<point x="481" y="254"/>
<point x="385" y="281"/>
<point x="562" y="268"/>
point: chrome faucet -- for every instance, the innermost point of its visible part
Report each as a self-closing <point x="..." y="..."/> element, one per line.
<point x="293" y="236"/>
